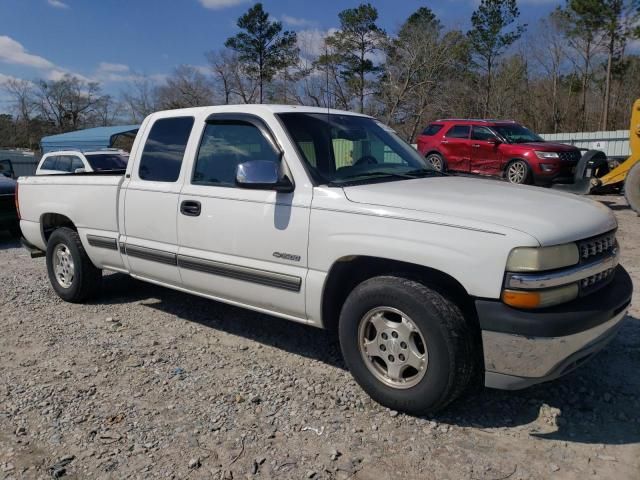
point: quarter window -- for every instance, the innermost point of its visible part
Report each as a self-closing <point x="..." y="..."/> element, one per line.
<point x="225" y="145"/>
<point x="458" y="131"/>
<point x="164" y="149"/>
<point x="432" y="129"/>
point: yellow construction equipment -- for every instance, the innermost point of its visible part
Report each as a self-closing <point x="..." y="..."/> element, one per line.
<point x="626" y="174"/>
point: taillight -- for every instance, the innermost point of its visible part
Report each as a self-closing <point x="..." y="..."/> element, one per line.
<point x="17" y="201"/>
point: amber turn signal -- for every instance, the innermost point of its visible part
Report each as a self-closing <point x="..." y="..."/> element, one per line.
<point x="540" y="298"/>
<point x="519" y="299"/>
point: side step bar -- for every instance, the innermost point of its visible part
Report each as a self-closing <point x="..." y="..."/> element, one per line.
<point x="34" y="251"/>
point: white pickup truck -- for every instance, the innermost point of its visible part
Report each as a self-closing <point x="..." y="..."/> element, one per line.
<point x="328" y="218"/>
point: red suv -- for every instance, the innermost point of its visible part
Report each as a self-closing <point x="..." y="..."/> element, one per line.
<point x="498" y="148"/>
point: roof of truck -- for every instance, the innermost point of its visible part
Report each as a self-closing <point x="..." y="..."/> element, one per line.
<point x="258" y="108"/>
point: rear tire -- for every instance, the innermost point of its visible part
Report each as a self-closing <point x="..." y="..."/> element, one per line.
<point x="440" y="343"/>
<point x="518" y="172"/>
<point x="71" y="272"/>
<point x="632" y="188"/>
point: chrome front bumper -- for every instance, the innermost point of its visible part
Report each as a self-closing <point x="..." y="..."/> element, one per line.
<point x="513" y="362"/>
<point x="525" y="347"/>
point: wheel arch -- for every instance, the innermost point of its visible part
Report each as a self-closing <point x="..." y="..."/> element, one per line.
<point x="50" y="221"/>
<point x="349" y="271"/>
<point x="515" y="159"/>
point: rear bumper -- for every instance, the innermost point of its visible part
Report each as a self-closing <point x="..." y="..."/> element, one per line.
<point x="523" y="348"/>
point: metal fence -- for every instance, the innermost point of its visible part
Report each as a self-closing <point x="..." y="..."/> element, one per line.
<point x="613" y="143"/>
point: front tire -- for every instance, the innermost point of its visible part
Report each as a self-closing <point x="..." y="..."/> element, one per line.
<point x="518" y="172"/>
<point x="71" y="272"/>
<point x="407" y="346"/>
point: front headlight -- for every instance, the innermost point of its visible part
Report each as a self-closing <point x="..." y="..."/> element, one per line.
<point x="544" y="155"/>
<point x="532" y="259"/>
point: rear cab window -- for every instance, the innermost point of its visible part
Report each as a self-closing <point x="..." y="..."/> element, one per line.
<point x="164" y="149"/>
<point x="458" y="131"/>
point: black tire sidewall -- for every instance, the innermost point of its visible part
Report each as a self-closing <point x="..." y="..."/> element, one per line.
<point x="431" y="389"/>
<point x="65" y="236"/>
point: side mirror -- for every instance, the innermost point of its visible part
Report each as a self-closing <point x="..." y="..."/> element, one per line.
<point x="494" y="141"/>
<point x="79" y="170"/>
<point x="262" y="175"/>
<point x="6" y="174"/>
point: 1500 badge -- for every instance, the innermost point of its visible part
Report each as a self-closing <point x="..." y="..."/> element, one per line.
<point x="287" y="256"/>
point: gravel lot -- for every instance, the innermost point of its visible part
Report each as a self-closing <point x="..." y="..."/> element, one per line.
<point x="151" y="383"/>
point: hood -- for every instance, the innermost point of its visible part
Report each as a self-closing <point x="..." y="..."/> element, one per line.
<point x="7" y="185"/>
<point x="550" y="216"/>
<point x="548" y="146"/>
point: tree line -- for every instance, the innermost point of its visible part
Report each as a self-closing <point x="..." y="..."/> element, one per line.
<point x="575" y="70"/>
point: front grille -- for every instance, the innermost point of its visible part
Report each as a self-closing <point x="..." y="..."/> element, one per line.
<point x="572" y="156"/>
<point x="596" y="247"/>
<point x="591" y="250"/>
<point x="595" y="282"/>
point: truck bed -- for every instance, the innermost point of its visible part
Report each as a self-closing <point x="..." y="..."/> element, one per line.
<point x="89" y="200"/>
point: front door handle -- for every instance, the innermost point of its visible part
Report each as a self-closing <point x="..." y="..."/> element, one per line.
<point x="476" y="145"/>
<point x="190" y="208"/>
<point x="444" y="142"/>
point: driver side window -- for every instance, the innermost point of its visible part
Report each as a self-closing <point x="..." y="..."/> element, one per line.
<point x="224" y="146"/>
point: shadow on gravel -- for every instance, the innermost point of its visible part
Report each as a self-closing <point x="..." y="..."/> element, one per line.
<point x="615" y="206"/>
<point x="290" y="336"/>
<point x="598" y="403"/>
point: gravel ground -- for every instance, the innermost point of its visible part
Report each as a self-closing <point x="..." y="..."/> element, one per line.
<point x="151" y="383"/>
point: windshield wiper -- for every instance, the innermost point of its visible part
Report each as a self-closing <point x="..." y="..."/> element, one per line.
<point x="363" y="177"/>
<point x="419" y="172"/>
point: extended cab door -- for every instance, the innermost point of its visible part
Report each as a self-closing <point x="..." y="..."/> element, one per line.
<point x="485" y="151"/>
<point x="456" y="147"/>
<point x="151" y="198"/>
<point x="246" y="246"/>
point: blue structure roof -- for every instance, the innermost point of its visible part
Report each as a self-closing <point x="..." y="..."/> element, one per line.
<point x="88" y="139"/>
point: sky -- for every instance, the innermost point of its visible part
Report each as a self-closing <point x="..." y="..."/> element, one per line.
<point x="113" y="41"/>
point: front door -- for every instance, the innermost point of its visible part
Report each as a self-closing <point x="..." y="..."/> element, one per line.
<point x="456" y="147"/>
<point x="150" y="243"/>
<point x="485" y="152"/>
<point x="241" y="245"/>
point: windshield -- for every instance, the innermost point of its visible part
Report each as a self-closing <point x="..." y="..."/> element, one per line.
<point x="516" y="134"/>
<point x="107" y="161"/>
<point x="346" y="149"/>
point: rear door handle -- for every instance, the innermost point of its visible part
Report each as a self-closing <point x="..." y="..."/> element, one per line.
<point x="190" y="208"/>
<point x="476" y="145"/>
<point x="444" y="142"/>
